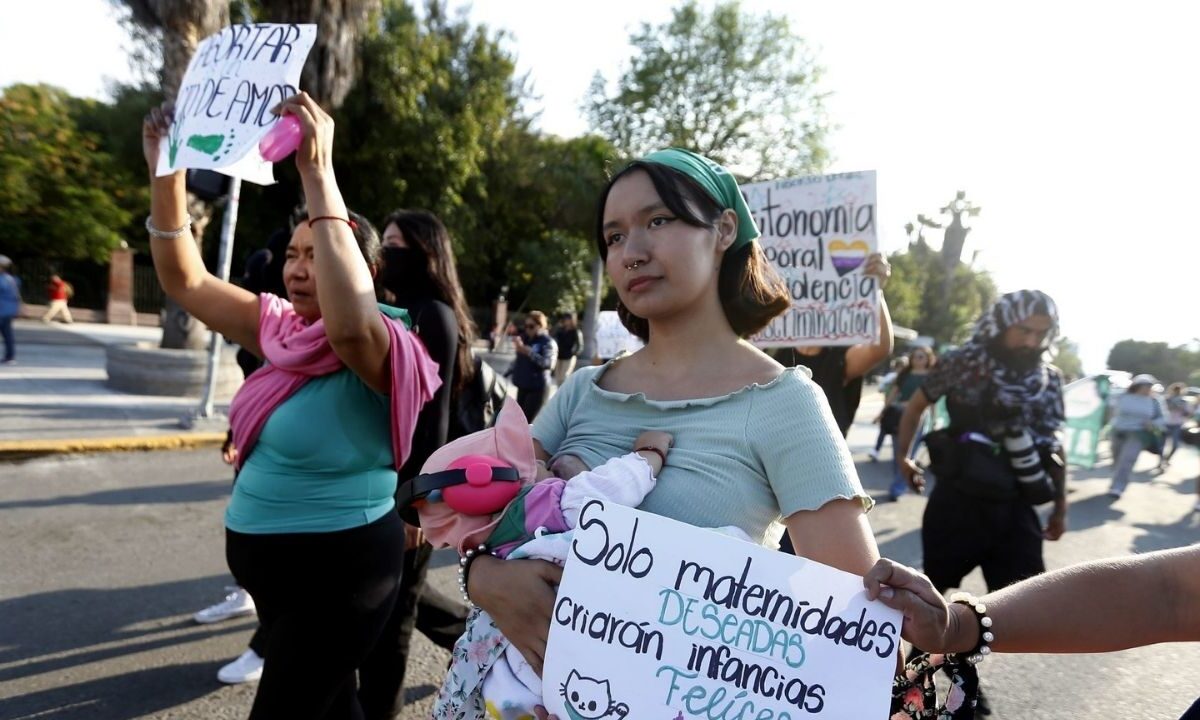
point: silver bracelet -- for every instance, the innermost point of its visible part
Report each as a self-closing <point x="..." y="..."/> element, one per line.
<point x="167" y="234"/>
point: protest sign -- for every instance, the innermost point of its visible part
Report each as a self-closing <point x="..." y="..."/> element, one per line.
<point x="224" y="103"/>
<point x="612" y="339"/>
<point x="658" y="620"/>
<point x="818" y="232"/>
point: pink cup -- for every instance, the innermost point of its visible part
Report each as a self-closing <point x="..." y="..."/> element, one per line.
<point x="281" y="140"/>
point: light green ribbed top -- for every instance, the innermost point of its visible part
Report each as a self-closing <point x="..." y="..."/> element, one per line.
<point x="745" y="459"/>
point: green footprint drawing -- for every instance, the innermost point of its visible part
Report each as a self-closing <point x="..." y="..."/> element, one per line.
<point x="208" y="144"/>
<point x="173" y="144"/>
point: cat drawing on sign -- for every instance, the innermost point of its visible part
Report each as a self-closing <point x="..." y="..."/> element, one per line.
<point x="590" y="699"/>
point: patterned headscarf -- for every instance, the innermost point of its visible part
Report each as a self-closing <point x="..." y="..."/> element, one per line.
<point x="1013" y="387"/>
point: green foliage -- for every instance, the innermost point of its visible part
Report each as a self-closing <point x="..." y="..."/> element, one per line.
<point x="1066" y="358"/>
<point x="61" y="195"/>
<point x="920" y="298"/>
<point x="1168" y="364"/>
<point x="534" y="213"/>
<point x="737" y="87"/>
<point x="435" y="123"/>
<point x="435" y="94"/>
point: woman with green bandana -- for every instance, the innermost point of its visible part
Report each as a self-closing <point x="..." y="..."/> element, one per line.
<point x="755" y="443"/>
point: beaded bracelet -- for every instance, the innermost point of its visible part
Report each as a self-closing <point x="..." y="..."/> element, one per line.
<point x="982" y="648"/>
<point x="167" y="234"/>
<point x="464" y="567"/>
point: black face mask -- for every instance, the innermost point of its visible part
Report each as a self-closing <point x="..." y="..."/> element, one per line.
<point x="1020" y="359"/>
<point x="405" y="274"/>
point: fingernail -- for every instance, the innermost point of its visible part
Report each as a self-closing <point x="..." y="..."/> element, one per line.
<point x="886" y="593"/>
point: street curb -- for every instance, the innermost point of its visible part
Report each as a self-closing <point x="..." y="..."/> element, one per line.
<point x="23" y="449"/>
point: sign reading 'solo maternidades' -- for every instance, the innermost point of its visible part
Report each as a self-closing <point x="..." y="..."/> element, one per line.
<point x="223" y="108"/>
<point x="658" y="620"/>
<point x="818" y="232"/>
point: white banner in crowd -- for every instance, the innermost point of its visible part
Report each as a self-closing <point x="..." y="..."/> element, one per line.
<point x="818" y="231"/>
<point x="612" y="339"/>
<point x="224" y="103"/>
<point x="658" y="620"/>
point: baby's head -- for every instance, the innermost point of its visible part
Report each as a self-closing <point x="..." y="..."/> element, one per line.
<point x="496" y="463"/>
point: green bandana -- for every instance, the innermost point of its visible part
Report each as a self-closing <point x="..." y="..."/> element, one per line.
<point x="716" y="181"/>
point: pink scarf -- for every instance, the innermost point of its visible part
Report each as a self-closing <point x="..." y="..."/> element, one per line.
<point x="297" y="351"/>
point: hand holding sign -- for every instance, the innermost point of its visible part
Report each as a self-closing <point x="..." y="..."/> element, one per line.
<point x="314" y="156"/>
<point x="155" y="127"/>
<point x="928" y="622"/>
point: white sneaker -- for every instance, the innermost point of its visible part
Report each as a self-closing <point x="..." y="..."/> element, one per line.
<point x="874" y="455"/>
<point x="247" y="668"/>
<point x="236" y="604"/>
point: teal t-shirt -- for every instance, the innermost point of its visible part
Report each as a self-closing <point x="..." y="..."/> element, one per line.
<point x="745" y="459"/>
<point x="322" y="463"/>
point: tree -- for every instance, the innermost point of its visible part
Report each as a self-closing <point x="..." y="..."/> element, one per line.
<point x="922" y="296"/>
<point x="173" y="29"/>
<point x="61" y="196"/>
<point x="1066" y="358"/>
<point x="535" y="227"/>
<point x="739" y="88"/>
<point x="1168" y="364"/>
<point x="332" y="65"/>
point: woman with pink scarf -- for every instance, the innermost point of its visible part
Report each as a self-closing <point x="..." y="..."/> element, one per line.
<point x="321" y="429"/>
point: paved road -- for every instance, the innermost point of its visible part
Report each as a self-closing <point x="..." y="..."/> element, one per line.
<point x="103" y="559"/>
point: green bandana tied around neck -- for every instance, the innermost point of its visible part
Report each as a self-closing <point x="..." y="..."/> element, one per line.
<point x="716" y="181"/>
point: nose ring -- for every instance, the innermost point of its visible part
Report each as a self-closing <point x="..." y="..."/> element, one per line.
<point x="634" y="265"/>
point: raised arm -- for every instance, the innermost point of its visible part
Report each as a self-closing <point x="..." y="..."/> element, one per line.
<point x="222" y="306"/>
<point x="345" y="288"/>
<point x="1099" y="606"/>
<point x="861" y="358"/>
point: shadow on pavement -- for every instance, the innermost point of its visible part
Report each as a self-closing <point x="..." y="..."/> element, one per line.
<point x="120" y="697"/>
<point x="154" y="495"/>
<point x="67" y="628"/>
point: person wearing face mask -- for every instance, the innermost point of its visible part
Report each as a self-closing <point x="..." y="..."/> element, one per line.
<point x="419" y="275"/>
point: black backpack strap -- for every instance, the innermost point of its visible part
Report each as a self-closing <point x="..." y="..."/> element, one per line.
<point x="420" y="486"/>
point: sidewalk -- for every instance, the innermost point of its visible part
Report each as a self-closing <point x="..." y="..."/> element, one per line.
<point x="54" y="398"/>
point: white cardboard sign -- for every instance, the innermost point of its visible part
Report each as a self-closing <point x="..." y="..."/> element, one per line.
<point x="612" y="338"/>
<point x="818" y="232"/>
<point x="223" y="108"/>
<point x="658" y="620"/>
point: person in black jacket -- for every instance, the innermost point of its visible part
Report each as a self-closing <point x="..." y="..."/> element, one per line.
<point x="570" y="344"/>
<point x="419" y="275"/>
<point x="536" y="354"/>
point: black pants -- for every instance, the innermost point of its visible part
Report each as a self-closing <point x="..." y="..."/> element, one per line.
<point x="441" y="619"/>
<point x="531" y="400"/>
<point x="323" y="599"/>
<point x="960" y="533"/>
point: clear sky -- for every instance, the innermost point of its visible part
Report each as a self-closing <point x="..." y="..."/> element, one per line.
<point x="1074" y="125"/>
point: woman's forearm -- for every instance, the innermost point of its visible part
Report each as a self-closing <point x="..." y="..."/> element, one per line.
<point x="345" y="288"/>
<point x="1101" y="606"/>
<point x="177" y="261"/>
